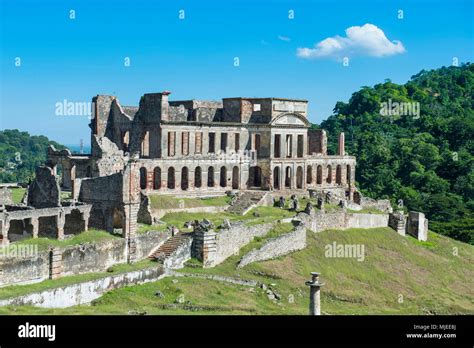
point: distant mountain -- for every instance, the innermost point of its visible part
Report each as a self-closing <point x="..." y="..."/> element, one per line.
<point x="414" y="144"/>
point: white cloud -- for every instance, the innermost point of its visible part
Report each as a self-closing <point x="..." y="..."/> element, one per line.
<point x="283" y="38"/>
<point x="367" y="40"/>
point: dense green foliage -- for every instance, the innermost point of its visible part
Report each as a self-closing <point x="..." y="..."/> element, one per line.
<point x="20" y="154"/>
<point x="425" y="160"/>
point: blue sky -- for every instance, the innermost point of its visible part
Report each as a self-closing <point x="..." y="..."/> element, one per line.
<point x="75" y="59"/>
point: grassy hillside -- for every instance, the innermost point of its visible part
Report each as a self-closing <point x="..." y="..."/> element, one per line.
<point x="398" y="276"/>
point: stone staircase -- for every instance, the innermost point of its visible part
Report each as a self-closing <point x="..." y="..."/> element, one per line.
<point x="169" y="247"/>
<point x="246" y="201"/>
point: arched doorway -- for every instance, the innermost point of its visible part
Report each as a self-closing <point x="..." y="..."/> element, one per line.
<point x="255" y="177"/>
<point x="235" y="178"/>
<point x="338" y="175"/>
<point x="198" y="177"/>
<point x="329" y="177"/>
<point x="223" y="177"/>
<point x="143" y="178"/>
<point x="299" y="177"/>
<point x="288" y="177"/>
<point x="157" y="178"/>
<point x="171" y="179"/>
<point x="309" y="175"/>
<point x="319" y="175"/>
<point x="210" y="177"/>
<point x="184" y="178"/>
<point x="276" y="178"/>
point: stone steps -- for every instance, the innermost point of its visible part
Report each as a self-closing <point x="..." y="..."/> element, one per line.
<point x="169" y="247"/>
<point x="245" y="201"/>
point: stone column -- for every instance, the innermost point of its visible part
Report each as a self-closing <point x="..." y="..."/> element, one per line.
<point x="85" y="217"/>
<point x="314" y="294"/>
<point x="130" y="230"/>
<point x="35" y="226"/>
<point x="60" y="222"/>
<point x="341" y="145"/>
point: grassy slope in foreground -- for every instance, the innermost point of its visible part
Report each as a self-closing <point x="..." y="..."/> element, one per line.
<point x="431" y="279"/>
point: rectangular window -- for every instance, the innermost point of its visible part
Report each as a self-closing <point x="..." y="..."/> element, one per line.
<point x="256" y="144"/>
<point x="300" y="149"/>
<point x="198" y="142"/>
<point x="223" y="142"/>
<point x="277" y="146"/>
<point x="171" y="143"/>
<point x="212" y="142"/>
<point x="185" y="143"/>
<point x="237" y="142"/>
<point x="289" y="145"/>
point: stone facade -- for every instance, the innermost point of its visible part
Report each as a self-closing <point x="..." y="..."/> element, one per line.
<point x="204" y="146"/>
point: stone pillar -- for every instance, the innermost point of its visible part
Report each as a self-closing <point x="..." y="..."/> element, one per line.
<point x="60" y="222"/>
<point x="341" y="145"/>
<point x="55" y="263"/>
<point x="35" y="227"/>
<point x="324" y="143"/>
<point x="204" y="246"/>
<point x="85" y="217"/>
<point x="417" y="225"/>
<point x="130" y="230"/>
<point x="314" y="294"/>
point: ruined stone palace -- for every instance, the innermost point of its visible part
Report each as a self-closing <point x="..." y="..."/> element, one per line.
<point x="180" y="147"/>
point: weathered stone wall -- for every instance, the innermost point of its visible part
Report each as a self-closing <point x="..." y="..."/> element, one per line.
<point x="23" y="270"/>
<point x="77" y="259"/>
<point x="5" y="196"/>
<point x="366" y="220"/>
<point x="319" y="221"/>
<point x="381" y="204"/>
<point x="212" y="248"/>
<point x="95" y="257"/>
<point x="83" y="293"/>
<point x="279" y="246"/>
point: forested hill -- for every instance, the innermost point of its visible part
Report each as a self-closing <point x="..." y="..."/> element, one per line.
<point x="20" y="154"/>
<point x="426" y="158"/>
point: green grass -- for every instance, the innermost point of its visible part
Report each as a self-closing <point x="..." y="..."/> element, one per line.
<point x="264" y="215"/>
<point x="90" y="236"/>
<point x="427" y="276"/>
<point x="171" y="202"/>
<point x="17" y="194"/>
<point x="143" y="228"/>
